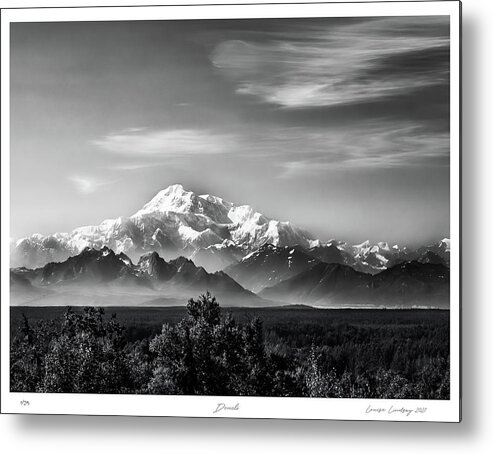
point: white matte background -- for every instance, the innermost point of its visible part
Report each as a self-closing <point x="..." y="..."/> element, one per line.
<point x="77" y="434"/>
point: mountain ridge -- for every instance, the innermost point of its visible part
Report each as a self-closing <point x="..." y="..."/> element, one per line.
<point x="408" y="284"/>
<point x="211" y="231"/>
<point x="270" y="276"/>
<point x="99" y="273"/>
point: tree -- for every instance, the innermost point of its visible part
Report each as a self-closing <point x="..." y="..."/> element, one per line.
<point x="27" y="353"/>
<point x="210" y="355"/>
<point x="87" y="356"/>
<point x="84" y="352"/>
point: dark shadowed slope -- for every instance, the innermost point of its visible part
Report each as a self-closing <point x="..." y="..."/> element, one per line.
<point x="103" y="277"/>
<point x="410" y="284"/>
<point x="321" y="282"/>
<point x="270" y="265"/>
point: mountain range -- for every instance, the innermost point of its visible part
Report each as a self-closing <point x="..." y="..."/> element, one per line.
<point x="104" y="277"/>
<point x="181" y="244"/>
<point x="271" y="275"/>
<point x="212" y="232"/>
<point x="409" y="284"/>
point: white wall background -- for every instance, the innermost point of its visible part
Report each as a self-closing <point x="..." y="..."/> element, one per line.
<point x="77" y="434"/>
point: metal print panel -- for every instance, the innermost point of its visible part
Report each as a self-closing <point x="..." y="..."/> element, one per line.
<point x="232" y="211"/>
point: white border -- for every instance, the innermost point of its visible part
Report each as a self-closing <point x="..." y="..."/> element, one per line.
<point x="249" y="407"/>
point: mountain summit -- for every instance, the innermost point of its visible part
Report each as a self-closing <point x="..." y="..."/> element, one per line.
<point x="174" y="222"/>
<point x="177" y="199"/>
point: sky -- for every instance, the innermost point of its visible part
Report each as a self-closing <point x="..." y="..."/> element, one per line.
<point x="339" y="125"/>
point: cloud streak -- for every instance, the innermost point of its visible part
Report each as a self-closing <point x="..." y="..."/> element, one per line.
<point x="295" y="150"/>
<point x="370" y="147"/>
<point x="330" y="65"/>
<point x="165" y="143"/>
<point x="88" y="185"/>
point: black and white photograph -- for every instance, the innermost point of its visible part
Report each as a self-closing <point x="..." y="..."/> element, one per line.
<point x="251" y="204"/>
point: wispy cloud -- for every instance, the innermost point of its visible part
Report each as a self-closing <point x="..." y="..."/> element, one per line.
<point x="88" y="185"/>
<point x="295" y="151"/>
<point x="130" y="166"/>
<point x="326" y="65"/>
<point x="372" y="146"/>
<point x="166" y="143"/>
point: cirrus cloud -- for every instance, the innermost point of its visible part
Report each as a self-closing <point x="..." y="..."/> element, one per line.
<point x="88" y="184"/>
<point x="165" y="143"/>
<point x="372" y="146"/>
<point x="330" y="65"/>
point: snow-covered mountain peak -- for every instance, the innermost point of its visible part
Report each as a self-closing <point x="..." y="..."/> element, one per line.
<point x="363" y="245"/>
<point x="384" y="246"/>
<point x="245" y="213"/>
<point x="172" y="191"/>
<point x="445" y="243"/>
<point x="216" y="200"/>
<point x="175" y="202"/>
<point x="174" y="198"/>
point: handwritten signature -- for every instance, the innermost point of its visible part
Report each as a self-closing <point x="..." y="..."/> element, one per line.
<point x="25" y="403"/>
<point x="222" y="406"/>
<point x="392" y="410"/>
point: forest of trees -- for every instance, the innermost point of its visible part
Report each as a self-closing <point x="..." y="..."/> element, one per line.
<point x="211" y="353"/>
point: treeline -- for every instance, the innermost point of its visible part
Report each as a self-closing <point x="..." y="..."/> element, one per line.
<point x="208" y="353"/>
